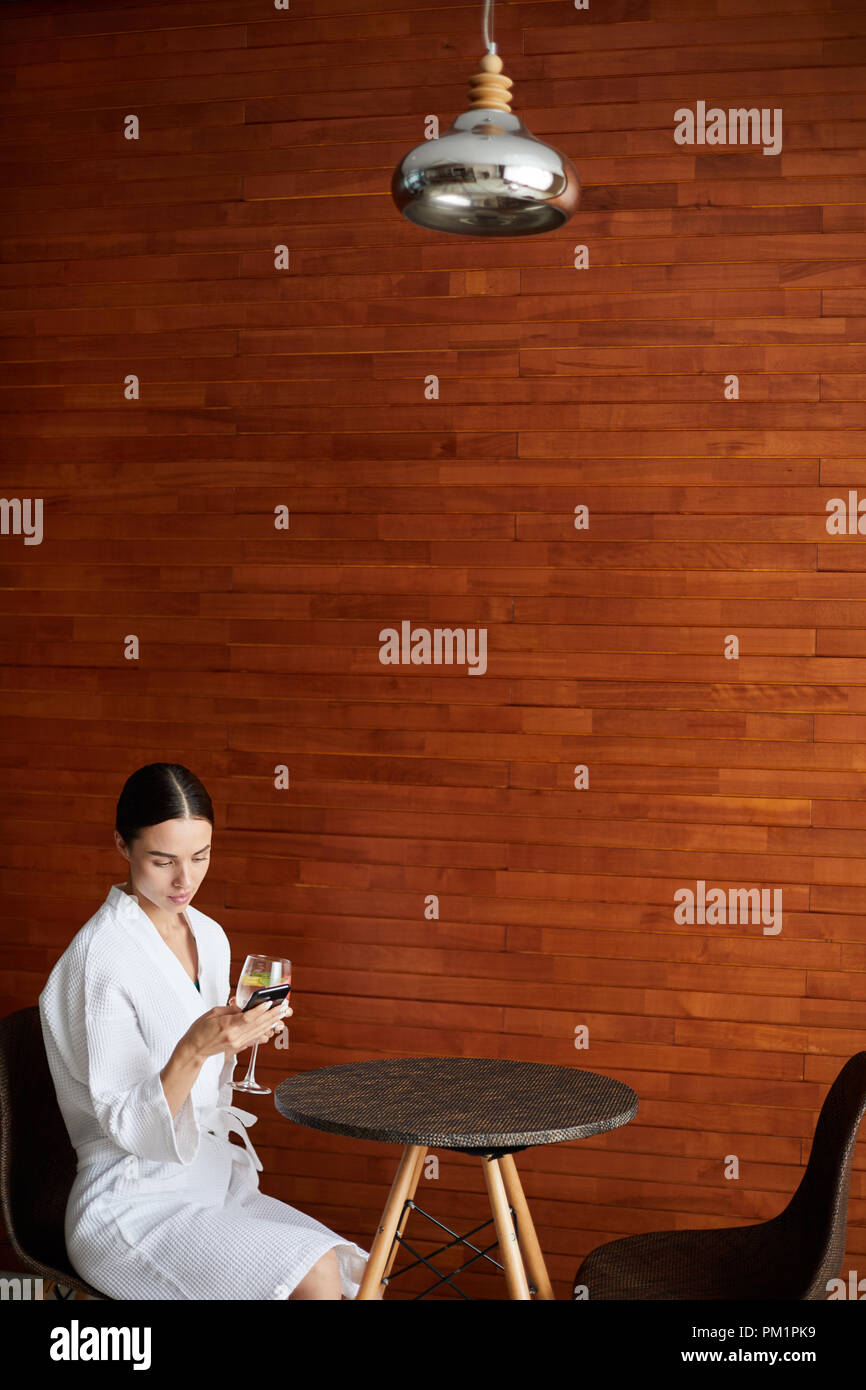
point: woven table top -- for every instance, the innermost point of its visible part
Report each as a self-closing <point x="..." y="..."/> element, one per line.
<point x="456" y="1102"/>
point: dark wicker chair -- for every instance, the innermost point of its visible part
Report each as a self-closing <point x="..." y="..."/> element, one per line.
<point x="37" y="1160"/>
<point x="791" y="1256"/>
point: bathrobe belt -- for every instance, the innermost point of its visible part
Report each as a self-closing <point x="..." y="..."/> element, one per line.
<point x="219" y="1119"/>
<point x="216" y="1119"/>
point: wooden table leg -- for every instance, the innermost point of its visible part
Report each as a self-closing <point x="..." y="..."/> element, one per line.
<point x="515" y="1274"/>
<point x="405" y="1178"/>
<point x="413" y="1185"/>
<point x="533" y="1257"/>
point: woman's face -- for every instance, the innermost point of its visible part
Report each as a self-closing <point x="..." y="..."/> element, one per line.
<point x="167" y="862"/>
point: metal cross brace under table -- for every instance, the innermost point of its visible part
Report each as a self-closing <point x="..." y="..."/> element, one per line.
<point x="509" y="1208"/>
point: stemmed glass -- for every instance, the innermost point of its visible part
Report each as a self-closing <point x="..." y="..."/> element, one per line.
<point x="259" y="972"/>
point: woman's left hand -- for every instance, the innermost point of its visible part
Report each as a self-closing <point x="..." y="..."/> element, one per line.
<point x="280" y="1011"/>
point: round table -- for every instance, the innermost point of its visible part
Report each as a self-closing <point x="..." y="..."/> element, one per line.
<point x="486" y="1106"/>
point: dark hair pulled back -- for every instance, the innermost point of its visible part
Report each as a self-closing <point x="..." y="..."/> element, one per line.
<point x="160" y="792"/>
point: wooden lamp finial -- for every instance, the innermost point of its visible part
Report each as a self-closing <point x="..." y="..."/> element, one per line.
<point x="488" y="87"/>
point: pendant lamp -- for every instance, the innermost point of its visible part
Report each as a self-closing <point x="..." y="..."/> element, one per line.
<point x="487" y="175"/>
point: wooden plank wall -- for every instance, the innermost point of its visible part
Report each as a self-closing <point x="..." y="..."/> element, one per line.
<point x="558" y="387"/>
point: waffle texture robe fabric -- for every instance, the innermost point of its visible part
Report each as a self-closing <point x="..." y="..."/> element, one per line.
<point x="163" y="1206"/>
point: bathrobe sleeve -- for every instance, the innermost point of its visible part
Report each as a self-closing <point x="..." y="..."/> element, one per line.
<point x="123" y="1077"/>
<point x="225" y="1094"/>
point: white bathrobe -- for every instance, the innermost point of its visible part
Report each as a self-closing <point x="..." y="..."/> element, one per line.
<point x="161" y="1206"/>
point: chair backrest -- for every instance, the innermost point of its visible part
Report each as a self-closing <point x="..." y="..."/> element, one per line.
<point x="817" y="1215"/>
<point x="37" y="1160"/>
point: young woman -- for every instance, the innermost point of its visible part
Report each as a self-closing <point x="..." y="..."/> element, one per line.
<point x="142" y="1046"/>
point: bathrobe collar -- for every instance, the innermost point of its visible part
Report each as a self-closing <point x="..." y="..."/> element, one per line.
<point x="136" y="921"/>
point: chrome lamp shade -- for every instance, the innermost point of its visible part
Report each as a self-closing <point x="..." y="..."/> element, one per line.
<point x="487" y="175"/>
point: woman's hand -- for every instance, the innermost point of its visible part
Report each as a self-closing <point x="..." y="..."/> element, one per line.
<point x="229" y="1030"/>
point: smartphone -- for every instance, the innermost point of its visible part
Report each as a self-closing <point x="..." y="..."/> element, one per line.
<point x="275" y="992"/>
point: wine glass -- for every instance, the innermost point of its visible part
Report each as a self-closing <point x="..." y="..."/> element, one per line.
<point x="259" y="972"/>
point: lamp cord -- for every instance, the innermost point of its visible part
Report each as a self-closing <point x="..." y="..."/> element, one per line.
<point x="488" y="25"/>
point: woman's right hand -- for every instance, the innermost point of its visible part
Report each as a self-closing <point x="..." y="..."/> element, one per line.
<point x="228" y="1029"/>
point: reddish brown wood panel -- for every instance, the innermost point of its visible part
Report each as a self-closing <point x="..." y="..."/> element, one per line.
<point x="601" y="387"/>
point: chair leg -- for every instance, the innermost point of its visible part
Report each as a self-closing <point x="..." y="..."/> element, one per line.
<point x="515" y="1274"/>
<point x="528" y="1239"/>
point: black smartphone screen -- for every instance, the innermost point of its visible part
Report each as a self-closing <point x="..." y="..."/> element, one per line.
<point x="274" y="992"/>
